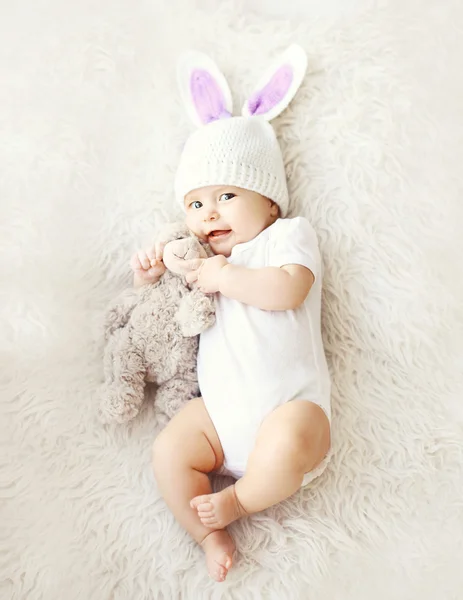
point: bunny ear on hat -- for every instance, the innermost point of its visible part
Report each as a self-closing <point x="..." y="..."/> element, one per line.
<point x="203" y="88"/>
<point x="278" y="85"/>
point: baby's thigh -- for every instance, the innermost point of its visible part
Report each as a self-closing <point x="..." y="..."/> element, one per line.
<point x="189" y="439"/>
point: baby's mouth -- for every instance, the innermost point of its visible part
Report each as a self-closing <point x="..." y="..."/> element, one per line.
<point x="218" y="234"/>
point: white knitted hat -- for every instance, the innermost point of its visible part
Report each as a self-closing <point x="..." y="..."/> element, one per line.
<point x="239" y="151"/>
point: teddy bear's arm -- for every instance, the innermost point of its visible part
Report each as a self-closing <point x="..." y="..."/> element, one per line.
<point x="196" y="313"/>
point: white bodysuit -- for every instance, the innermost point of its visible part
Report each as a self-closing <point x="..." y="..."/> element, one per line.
<point x="253" y="360"/>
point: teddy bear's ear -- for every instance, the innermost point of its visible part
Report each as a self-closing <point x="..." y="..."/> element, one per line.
<point x="173" y="231"/>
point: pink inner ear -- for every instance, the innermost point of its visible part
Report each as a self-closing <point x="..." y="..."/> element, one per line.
<point x="207" y="97"/>
<point x="264" y="100"/>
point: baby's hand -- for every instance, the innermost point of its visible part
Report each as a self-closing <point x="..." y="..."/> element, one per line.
<point x="147" y="265"/>
<point x="206" y="272"/>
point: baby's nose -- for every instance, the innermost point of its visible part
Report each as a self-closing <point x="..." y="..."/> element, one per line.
<point x="211" y="215"/>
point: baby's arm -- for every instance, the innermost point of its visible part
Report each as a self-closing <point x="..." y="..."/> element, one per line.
<point x="294" y="263"/>
<point x="270" y="288"/>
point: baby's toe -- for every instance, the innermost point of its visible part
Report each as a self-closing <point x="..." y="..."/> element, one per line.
<point x="220" y="573"/>
<point x="196" y="502"/>
<point x="215" y="572"/>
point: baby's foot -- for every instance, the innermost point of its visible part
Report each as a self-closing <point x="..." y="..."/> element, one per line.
<point x="219" y="548"/>
<point x="218" y="510"/>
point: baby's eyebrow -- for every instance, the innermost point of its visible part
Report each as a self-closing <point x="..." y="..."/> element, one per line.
<point x="225" y="188"/>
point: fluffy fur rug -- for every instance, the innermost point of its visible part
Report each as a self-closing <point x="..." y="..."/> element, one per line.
<point x="91" y="127"/>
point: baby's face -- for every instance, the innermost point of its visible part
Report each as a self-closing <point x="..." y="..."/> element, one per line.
<point x="224" y="215"/>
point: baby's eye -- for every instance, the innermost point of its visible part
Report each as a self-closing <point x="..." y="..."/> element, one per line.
<point x="225" y="197"/>
<point x="196" y="204"/>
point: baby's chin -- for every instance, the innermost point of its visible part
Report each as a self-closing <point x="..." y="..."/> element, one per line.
<point x="221" y="249"/>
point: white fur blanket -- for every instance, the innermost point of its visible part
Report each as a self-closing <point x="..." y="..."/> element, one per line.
<point x="91" y="127"/>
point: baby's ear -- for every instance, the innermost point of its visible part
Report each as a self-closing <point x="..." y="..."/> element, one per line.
<point x="278" y="85"/>
<point x="203" y="88"/>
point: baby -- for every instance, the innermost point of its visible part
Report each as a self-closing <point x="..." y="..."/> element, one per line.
<point x="264" y="412"/>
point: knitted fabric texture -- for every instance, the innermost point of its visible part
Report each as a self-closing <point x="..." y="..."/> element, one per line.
<point x="239" y="151"/>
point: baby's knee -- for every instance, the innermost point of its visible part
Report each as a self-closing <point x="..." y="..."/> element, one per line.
<point x="294" y="446"/>
<point x="286" y="443"/>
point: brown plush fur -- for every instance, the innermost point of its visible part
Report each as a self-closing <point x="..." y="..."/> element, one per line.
<point x="152" y="336"/>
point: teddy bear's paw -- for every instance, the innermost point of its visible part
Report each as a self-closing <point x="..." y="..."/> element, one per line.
<point x="161" y="419"/>
<point x="119" y="404"/>
<point x="195" y="322"/>
<point x="192" y="328"/>
<point x="209" y="318"/>
<point x="201" y="323"/>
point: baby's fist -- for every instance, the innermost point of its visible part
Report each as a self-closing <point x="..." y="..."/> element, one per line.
<point x="147" y="265"/>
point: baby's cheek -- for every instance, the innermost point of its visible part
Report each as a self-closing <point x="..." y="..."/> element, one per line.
<point x="193" y="225"/>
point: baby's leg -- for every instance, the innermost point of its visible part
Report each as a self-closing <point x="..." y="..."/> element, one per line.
<point x="291" y="441"/>
<point x="183" y="453"/>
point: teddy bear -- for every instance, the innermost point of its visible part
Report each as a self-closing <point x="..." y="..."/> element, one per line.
<point x="151" y="335"/>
